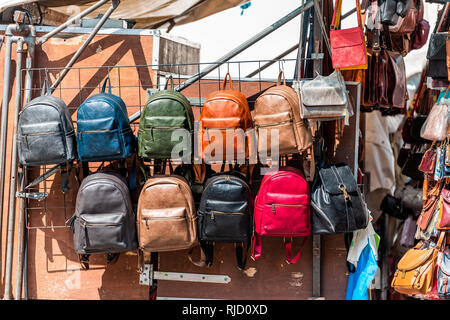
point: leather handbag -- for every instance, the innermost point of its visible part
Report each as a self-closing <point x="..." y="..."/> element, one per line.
<point x="103" y="128"/>
<point x="415" y="270"/>
<point x="337" y="205"/>
<point x="429" y="207"/>
<point x="225" y="110"/>
<point x="391" y="10"/>
<point x="443" y="276"/>
<point x="437" y="56"/>
<point x="436" y="125"/>
<point x="407" y="24"/>
<point x="282" y="209"/>
<point x="428" y="163"/>
<point x="348" y="46"/>
<point x="225" y="214"/>
<point x="323" y="98"/>
<point x="420" y="36"/>
<point x="411" y="166"/>
<point x="165" y="112"/>
<point x="409" y="229"/>
<point x="166" y="217"/>
<point x="411" y="198"/>
<point x="277" y="109"/>
<point x="104" y="221"/>
<point x="394" y="207"/>
<point x="443" y="222"/>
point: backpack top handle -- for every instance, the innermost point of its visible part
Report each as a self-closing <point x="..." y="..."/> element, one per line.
<point x="225" y="81"/>
<point x="169" y="79"/>
<point x="279" y="78"/>
<point x="104" y="85"/>
<point x="46" y="87"/>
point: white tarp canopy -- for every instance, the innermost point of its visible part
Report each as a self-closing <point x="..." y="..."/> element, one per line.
<point x="146" y="13"/>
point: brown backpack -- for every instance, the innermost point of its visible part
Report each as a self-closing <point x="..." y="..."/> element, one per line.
<point x="166" y="216"/>
<point x="222" y="110"/>
<point x="278" y="108"/>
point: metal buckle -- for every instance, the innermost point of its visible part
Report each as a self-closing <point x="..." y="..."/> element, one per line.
<point x="343" y="188"/>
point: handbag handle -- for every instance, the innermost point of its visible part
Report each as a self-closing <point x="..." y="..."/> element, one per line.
<point x="442" y="17"/>
<point x="337" y="14"/>
<point x="279" y="78"/>
<point x="225" y="81"/>
<point x="104" y="85"/>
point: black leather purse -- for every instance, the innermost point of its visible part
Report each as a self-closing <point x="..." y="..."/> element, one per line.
<point x="394" y="207"/>
<point x="437" y="55"/>
<point x="391" y="9"/>
<point x="337" y="205"/>
<point x="411" y="166"/>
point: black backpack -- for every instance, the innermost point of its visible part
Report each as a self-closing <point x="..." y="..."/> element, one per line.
<point x="104" y="221"/>
<point x="225" y="214"/>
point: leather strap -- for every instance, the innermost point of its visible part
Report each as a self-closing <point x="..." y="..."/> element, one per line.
<point x="104" y="85"/>
<point x="203" y="260"/>
<point x="85" y="169"/>
<point x="84" y="261"/>
<point x="337" y="14"/>
<point x="347" y="239"/>
<point x="288" y="247"/>
<point x="170" y="78"/>
<point x="441" y="240"/>
<point x="256" y="246"/>
<point x="65" y="171"/>
<point x="225" y="82"/>
<point x="241" y="255"/>
<point x="279" y="78"/>
<point x="46" y="87"/>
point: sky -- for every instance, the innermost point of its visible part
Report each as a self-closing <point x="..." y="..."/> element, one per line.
<point x="220" y="33"/>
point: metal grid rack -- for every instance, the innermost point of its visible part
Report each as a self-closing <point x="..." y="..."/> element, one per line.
<point x="133" y="84"/>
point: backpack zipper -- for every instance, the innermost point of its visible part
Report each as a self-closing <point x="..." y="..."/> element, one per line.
<point x="41" y="133"/>
<point x="220" y="212"/>
<point x="86" y="224"/>
<point x="273" y="124"/>
<point x="285" y="205"/>
<point x="146" y="219"/>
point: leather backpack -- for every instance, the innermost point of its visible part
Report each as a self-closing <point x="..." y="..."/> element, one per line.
<point x="45" y="134"/>
<point x="336" y="202"/>
<point x="103" y="128"/>
<point x="45" y="131"/>
<point x="278" y="109"/>
<point x="224" y="110"/>
<point x="415" y="270"/>
<point x="282" y="209"/>
<point x="225" y="214"/>
<point x="164" y="112"/>
<point x="104" y="221"/>
<point x="166" y="218"/>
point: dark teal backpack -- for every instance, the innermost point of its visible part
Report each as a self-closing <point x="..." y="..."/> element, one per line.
<point x="103" y="128"/>
<point x="165" y="112"/>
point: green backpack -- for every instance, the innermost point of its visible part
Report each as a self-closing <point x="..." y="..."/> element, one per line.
<point x="164" y="112"/>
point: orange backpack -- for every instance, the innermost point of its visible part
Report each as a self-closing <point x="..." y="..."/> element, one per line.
<point x="222" y="110"/>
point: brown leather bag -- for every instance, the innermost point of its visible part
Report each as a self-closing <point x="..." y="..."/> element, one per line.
<point x="429" y="207"/>
<point x="225" y="110"/>
<point x="415" y="270"/>
<point x="166" y="216"/>
<point x="407" y="24"/>
<point x="277" y="109"/>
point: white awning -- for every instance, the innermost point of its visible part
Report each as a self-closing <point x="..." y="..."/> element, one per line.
<point x="146" y="13"/>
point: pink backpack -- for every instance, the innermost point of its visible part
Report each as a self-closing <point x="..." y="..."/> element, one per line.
<point x="282" y="209"/>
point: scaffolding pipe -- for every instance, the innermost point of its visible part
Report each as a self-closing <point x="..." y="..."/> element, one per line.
<point x="21" y="222"/>
<point x="12" y="198"/>
<point x="268" y="64"/>
<point x="77" y="54"/>
<point x="70" y="21"/>
<point x="238" y="50"/>
<point x="10" y="38"/>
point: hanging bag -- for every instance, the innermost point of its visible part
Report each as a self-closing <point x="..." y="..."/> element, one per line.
<point x="435" y="126"/>
<point x="348" y="46"/>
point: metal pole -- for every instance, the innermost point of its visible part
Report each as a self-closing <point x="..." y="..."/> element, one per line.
<point x="12" y="195"/>
<point x="21" y="223"/>
<point x="72" y="61"/>
<point x="268" y="64"/>
<point x="71" y="20"/>
<point x="238" y="50"/>
<point x="5" y="111"/>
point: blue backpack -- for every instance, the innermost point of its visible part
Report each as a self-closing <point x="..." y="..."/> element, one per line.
<point x="103" y="128"/>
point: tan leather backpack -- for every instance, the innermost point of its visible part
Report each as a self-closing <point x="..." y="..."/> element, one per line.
<point x="278" y="109"/>
<point x="166" y="217"/>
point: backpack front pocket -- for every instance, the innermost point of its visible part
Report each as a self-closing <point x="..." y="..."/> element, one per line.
<point x="277" y="135"/>
<point x="286" y="220"/>
<point x="101" y="233"/>
<point x="226" y="226"/>
<point x="42" y="143"/>
<point x="156" y="142"/>
<point x="164" y="228"/>
<point x="98" y="140"/>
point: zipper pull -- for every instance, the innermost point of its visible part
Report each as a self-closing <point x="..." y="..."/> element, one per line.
<point x="146" y="222"/>
<point x="273" y="208"/>
<point x="212" y="215"/>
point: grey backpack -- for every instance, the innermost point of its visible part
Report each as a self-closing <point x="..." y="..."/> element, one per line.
<point x="45" y="131"/>
<point x="104" y="221"/>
